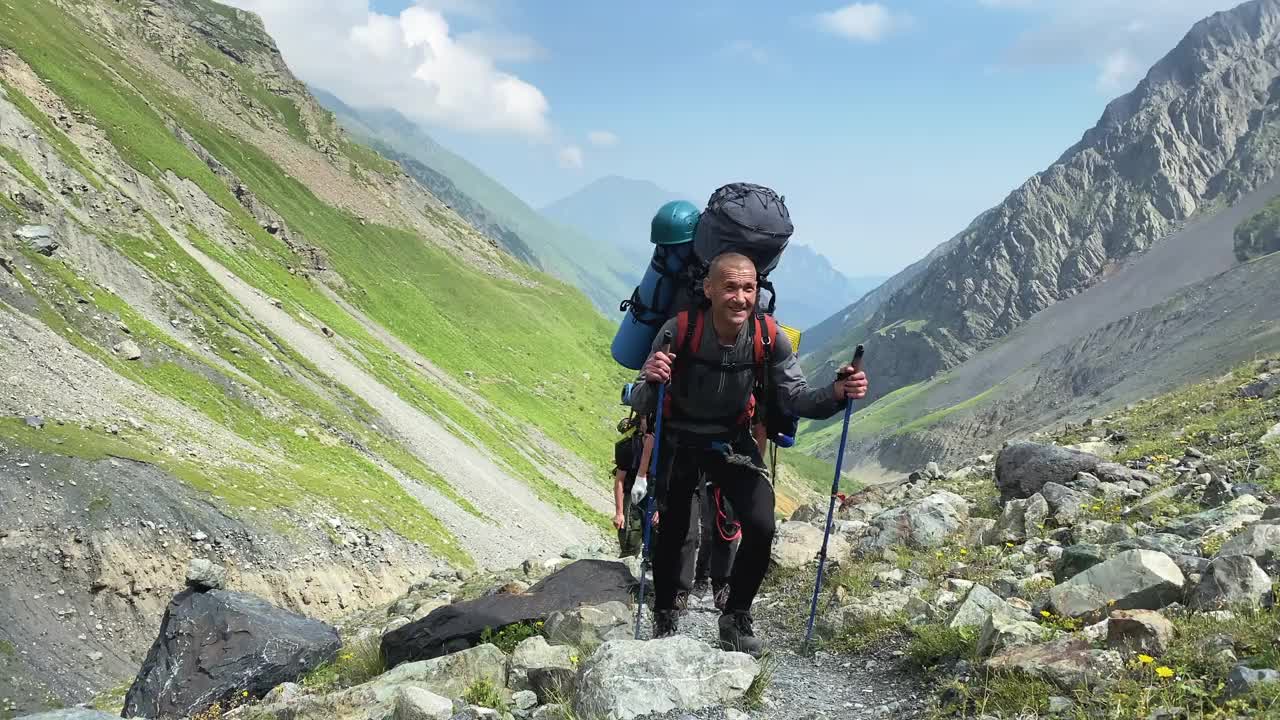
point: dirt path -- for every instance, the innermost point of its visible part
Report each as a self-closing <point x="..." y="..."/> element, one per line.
<point x="541" y="529"/>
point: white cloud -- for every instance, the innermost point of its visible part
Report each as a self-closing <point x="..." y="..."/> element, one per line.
<point x="1119" y="40"/>
<point x="571" y="157"/>
<point x="502" y="46"/>
<point x="412" y="62"/>
<point x="867" y="22"/>
<point x="602" y="138"/>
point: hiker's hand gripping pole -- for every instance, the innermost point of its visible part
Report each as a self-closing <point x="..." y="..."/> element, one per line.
<point x="646" y="548"/>
<point x="831" y="506"/>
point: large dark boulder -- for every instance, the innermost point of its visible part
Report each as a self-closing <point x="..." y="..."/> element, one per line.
<point x="1022" y="469"/>
<point x="217" y="645"/>
<point x="459" y="626"/>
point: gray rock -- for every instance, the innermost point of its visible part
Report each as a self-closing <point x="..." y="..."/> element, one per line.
<point x="587" y="627"/>
<point x="1243" y="680"/>
<point x="128" y="350"/>
<point x="524" y="700"/>
<point x="1260" y="541"/>
<point x="1086" y="481"/>
<point x="206" y="575"/>
<point x="1134" y="579"/>
<point x="922" y="525"/>
<point x="1231" y="580"/>
<point x="796" y="544"/>
<point x="1066" y="506"/>
<point x="978" y="532"/>
<point x="1078" y="558"/>
<point x="1021" y="519"/>
<point x="1059" y="705"/>
<point x="415" y="703"/>
<point x="217" y="644"/>
<point x="1271" y="436"/>
<point x="980" y="604"/>
<point x="1022" y="469"/>
<point x="535" y="654"/>
<point x="1121" y="475"/>
<point x="39" y="237"/>
<point x="809" y="512"/>
<point x="35" y="422"/>
<point x="627" y="678"/>
<point x="1068" y="663"/>
<point x="1263" y="388"/>
<point x="448" y="675"/>
<point x="550" y="712"/>
<point x="1139" y="631"/>
<point x="1216" y="493"/>
<point x="999" y="633"/>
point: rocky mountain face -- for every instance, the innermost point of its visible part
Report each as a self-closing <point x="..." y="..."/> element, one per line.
<point x="230" y="332"/>
<point x="619" y="210"/>
<point x="597" y="268"/>
<point x="1196" y="134"/>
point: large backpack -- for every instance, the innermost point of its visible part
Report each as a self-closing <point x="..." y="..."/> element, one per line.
<point x="745" y="218"/>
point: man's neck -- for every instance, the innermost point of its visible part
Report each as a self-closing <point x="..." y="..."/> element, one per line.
<point x="726" y="332"/>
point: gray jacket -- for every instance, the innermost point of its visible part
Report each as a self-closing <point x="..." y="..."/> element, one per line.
<point x="709" y="392"/>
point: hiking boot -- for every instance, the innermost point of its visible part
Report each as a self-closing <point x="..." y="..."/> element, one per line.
<point x="736" y="634"/>
<point x="682" y="603"/>
<point x="664" y="623"/>
<point x="722" y="593"/>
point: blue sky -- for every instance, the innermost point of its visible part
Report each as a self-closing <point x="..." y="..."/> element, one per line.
<point x="887" y="125"/>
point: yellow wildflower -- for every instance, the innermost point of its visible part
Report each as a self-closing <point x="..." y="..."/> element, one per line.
<point x="1164" y="672"/>
<point x="963" y="551"/>
<point x="245" y="693"/>
<point x="1008" y="544"/>
<point x="573" y="659"/>
<point x="1046" y="613"/>
<point x="1144" y="659"/>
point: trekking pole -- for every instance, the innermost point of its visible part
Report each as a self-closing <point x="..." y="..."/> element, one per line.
<point x="646" y="549"/>
<point x="831" y="506"/>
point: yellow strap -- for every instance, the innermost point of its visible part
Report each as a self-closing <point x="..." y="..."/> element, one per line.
<point x="793" y="335"/>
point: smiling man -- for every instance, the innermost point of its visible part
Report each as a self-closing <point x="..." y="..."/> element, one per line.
<point x="717" y="387"/>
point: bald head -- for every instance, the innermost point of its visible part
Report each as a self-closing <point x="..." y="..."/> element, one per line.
<point x="731" y="260"/>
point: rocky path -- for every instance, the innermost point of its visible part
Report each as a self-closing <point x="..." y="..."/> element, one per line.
<point x="811" y="687"/>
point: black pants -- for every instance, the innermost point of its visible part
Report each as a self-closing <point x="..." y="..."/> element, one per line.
<point x="715" y="554"/>
<point x="683" y="462"/>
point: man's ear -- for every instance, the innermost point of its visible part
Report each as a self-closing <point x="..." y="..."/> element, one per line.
<point x="706" y="287"/>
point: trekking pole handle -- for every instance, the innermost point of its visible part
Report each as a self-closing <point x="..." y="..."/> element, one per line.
<point x="856" y="362"/>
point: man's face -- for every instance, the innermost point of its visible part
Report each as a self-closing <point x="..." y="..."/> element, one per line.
<point x="731" y="288"/>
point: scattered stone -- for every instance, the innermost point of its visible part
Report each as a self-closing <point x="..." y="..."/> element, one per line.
<point x="1132" y="580"/>
<point x="1216" y="493"/>
<point x="979" y="605"/>
<point x="796" y="544"/>
<point x="1068" y="663"/>
<point x="449" y="675"/>
<point x="128" y="350"/>
<point x="1059" y="705"/>
<point x="1021" y="519"/>
<point x="628" y="678"/>
<point x="1271" y="436"/>
<point x="460" y="625"/>
<point x="35" y="422"/>
<point x="217" y="644"/>
<point x="39" y="237"/>
<point x="999" y="632"/>
<point x="1263" y="388"/>
<point x="1066" y="506"/>
<point x="415" y="703"/>
<point x="1231" y="580"/>
<point x="1260" y="541"/>
<point x="204" y="574"/>
<point x="1139" y="631"/>
<point x="524" y="700"/>
<point x="1022" y="469"/>
<point x="586" y="628"/>
<point x="922" y="525"/>
<point x="1243" y="680"/>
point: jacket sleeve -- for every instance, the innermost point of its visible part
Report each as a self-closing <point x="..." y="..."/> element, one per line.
<point x="795" y="396"/>
<point x="644" y="396"/>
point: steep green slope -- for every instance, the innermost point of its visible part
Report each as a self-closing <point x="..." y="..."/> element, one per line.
<point x="530" y="342"/>
<point x="596" y="267"/>
<point x="1260" y="234"/>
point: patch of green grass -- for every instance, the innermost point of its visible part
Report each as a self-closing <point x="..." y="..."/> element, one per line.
<point x="111" y="700"/>
<point x="484" y="693"/>
<point x="998" y="695"/>
<point x="16" y="161"/>
<point x="753" y="698"/>
<point x="858" y="636"/>
<point x="508" y="637"/>
<point x="7" y="649"/>
<point x="935" y="643"/>
<point x="62" y="144"/>
<point x="357" y="662"/>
